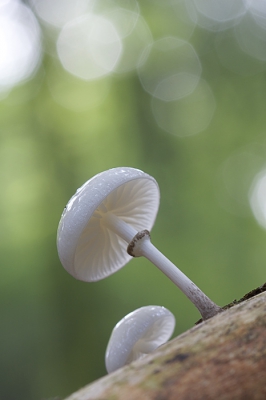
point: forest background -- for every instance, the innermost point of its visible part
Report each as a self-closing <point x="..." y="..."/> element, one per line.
<point x="175" y="88"/>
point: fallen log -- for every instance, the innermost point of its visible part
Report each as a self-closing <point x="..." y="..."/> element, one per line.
<point x="222" y="358"/>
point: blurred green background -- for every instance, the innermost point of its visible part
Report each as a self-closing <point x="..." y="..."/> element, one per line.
<point x="175" y="88"/>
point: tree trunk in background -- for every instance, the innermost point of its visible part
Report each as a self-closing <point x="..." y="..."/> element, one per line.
<point x="222" y="358"/>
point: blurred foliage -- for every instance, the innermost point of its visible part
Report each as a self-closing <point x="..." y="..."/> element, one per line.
<point x="57" y="131"/>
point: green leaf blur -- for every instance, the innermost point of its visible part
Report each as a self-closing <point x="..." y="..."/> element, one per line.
<point x="205" y="149"/>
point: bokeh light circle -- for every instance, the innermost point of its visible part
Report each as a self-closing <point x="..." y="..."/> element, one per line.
<point x="58" y="12"/>
<point x="257" y="198"/>
<point x="168" y="66"/>
<point x="135" y="35"/>
<point x="216" y="15"/>
<point x="251" y="38"/>
<point x="20" y="44"/>
<point x="257" y="9"/>
<point x="89" y="47"/>
<point x="235" y="176"/>
<point x="233" y="58"/>
<point x="187" y="116"/>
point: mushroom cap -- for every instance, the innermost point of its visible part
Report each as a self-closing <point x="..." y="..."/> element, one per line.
<point x="138" y="334"/>
<point x="88" y="250"/>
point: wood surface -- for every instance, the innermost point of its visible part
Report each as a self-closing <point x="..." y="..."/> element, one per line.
<point x="221" y="358"/>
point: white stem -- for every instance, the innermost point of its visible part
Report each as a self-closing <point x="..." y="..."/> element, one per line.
<point x="118" y="226"/>
<point x="144" y="346"/>
<point x="204" y="304"/>
<point x="140" y="245"/>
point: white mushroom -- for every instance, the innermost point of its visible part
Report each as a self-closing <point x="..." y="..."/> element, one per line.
<point x="138" y="334"/>
<point x="107" y="221"/>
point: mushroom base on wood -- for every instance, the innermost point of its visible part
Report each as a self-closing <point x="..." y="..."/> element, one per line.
<point x="221" y="358"/>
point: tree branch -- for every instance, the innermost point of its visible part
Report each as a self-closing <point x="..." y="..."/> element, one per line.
<point x="222" y="358"/>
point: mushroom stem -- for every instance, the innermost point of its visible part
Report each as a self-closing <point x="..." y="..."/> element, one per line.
<point x="140" y="245"/>
<point x="144" y="346"/>
<point x="204" y="304"/>
<point x="118" y="226"/>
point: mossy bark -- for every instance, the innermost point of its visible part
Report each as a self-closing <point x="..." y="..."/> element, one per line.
<point x="221" y="358"/>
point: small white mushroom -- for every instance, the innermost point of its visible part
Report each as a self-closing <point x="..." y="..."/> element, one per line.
<point x="107" y="221"/>
<point x="138" y="334"/>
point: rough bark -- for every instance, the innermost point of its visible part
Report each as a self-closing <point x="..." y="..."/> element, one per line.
<point x="222" y="358"/>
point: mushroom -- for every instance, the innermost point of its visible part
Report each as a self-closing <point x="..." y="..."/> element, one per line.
<point x="138" y="334"/>
<point x="107" y="221"/>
